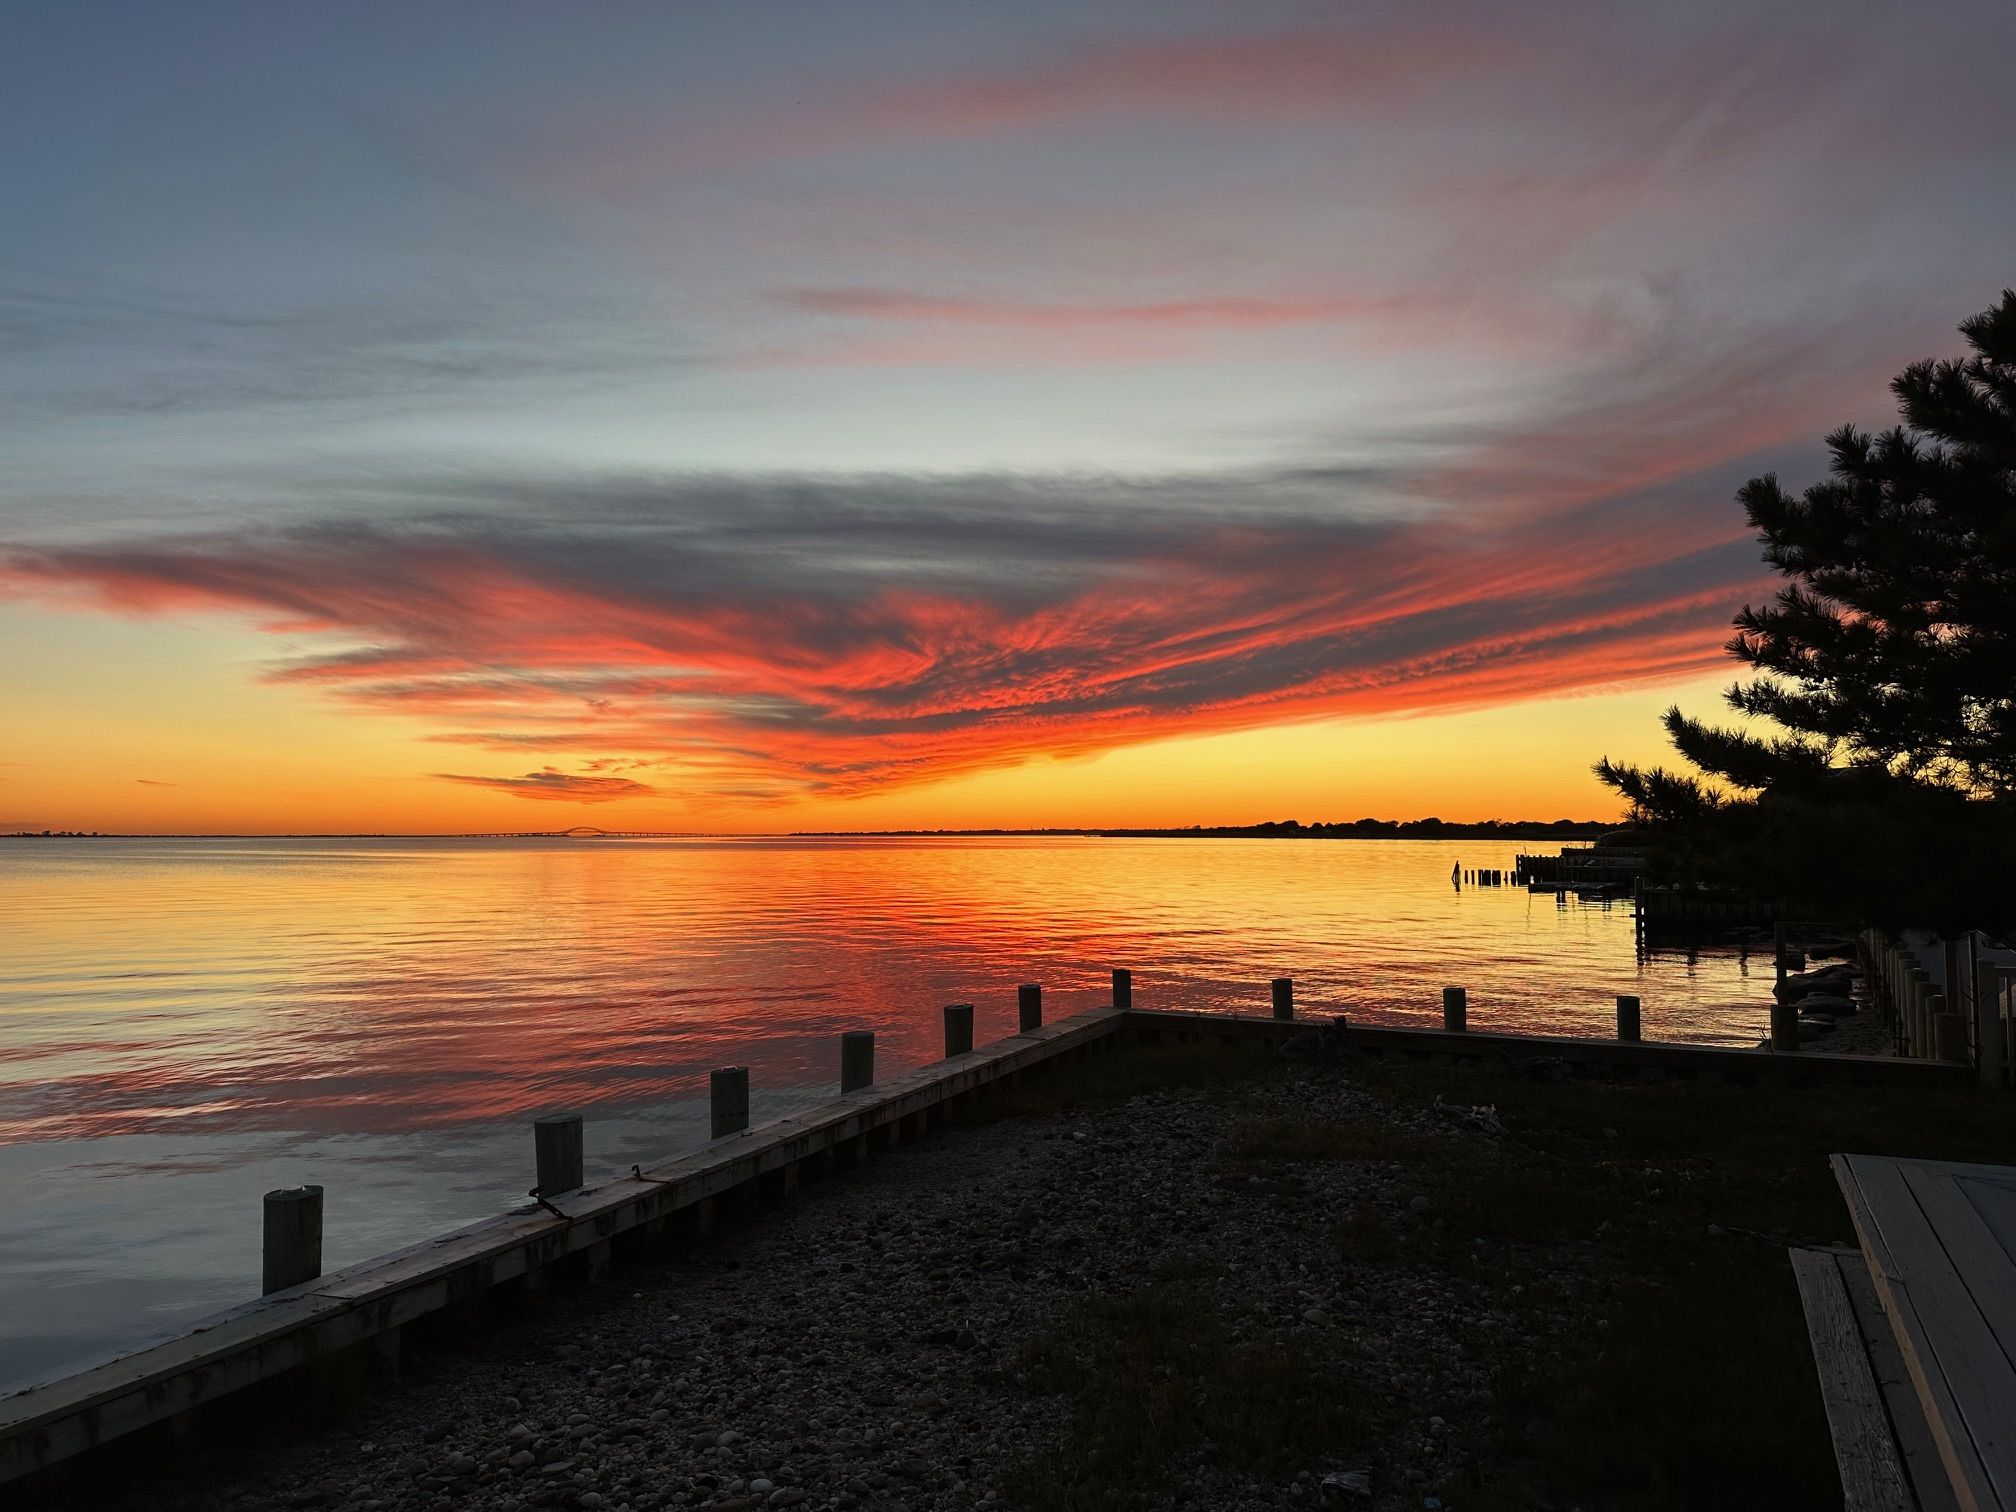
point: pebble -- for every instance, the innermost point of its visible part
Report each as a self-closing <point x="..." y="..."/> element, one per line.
<point x="859" y="1347"/>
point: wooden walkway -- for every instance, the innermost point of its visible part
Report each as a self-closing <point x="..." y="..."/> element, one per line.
<point x="1938" y="1259"/>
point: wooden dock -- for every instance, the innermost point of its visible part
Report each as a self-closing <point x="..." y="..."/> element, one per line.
<point x="364" y="1307"/>
<point x="1915" y="1335"/>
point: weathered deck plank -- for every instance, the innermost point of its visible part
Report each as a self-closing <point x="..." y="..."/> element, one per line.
<point x="1865" y="1446"/>
<point x="1948" y="1284"/>
<point x="1915" y="1445"/>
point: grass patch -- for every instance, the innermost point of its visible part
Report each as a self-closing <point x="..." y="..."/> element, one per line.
<point x="1633" y="1234"/>
<point x="1698" y="1387"/>
<point x="1700" y="1392"/>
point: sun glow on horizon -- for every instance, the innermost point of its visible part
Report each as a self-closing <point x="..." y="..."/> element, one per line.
<point x="1143" y="415"/>
<point x="214" y="753"/>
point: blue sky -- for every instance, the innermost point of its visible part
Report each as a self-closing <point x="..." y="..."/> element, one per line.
<point x="1088" y="373"/>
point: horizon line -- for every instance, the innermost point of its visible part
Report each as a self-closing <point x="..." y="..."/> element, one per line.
<point x="1269" y="826"/>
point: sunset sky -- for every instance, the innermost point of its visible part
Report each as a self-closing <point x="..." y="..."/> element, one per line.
<point x="754" y="417"/>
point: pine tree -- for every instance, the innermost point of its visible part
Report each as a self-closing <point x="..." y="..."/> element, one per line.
<point x="1887" y="664"/>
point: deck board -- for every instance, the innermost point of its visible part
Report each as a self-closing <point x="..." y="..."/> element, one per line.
<point x="1948" y="1282"/>
<point x="1865" y="1444"/>
<point x="1915" y="1445"/>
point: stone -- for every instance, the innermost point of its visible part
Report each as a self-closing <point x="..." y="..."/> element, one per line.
<point x="1345" y="1485"/>
<point x="1798" y="986"/>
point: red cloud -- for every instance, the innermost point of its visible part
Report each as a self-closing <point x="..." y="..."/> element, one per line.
<point x="515" y="642"/>
<point x="1281" y="77"/>
<point x="764" y="638"/>
<point x="553" y="785"/>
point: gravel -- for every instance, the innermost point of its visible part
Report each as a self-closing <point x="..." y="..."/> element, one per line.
<point x="869" y="1343"/>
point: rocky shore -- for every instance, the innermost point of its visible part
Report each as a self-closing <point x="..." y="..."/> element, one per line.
<point x="1837" y="1007"/>
<point x="1181" y="1279"/>
<point x="920" y="1334"/>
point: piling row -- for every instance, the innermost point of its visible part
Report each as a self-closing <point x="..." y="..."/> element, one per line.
<point x="293" y="1215"/>
<point x="304" y="1318"/>
<point x="1906" y="997"/>
<point x="1456" y="1014"/>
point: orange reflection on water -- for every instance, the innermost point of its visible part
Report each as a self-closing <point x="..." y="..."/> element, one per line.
<point x="387" y="986"/>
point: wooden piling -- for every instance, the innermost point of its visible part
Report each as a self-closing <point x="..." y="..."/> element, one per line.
<point x="1123" y="987"/>
<point x="1949" y="1035"/>
<point x="728" y="1099"/>
<point x="1627" y="1016"/>
<point x="293" y="1238"/>
<point x="1784" y="1028"/>
<point x="958" y="1029"/>
<point x="1284" y="997"/>
<point x="1989" y="1057"/>
<point x="1028" y="1007"/>
<point x="1455" y="1010"/>
<point x="857" y="1059"/>
<point x="557" y="1146"/>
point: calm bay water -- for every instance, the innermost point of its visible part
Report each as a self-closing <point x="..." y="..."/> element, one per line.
<point x="186" y="1023"/>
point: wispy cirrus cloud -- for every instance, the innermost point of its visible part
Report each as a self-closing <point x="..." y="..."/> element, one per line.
<point x="1487" y="322"/>
<point x="1279" y="77"/>
<point x="761" y="638"/>
<point x="1224" y="312"/>
<point x="550" y="785"/>
<point x="792" y="636"/>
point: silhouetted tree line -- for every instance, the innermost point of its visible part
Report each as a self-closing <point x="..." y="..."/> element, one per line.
<point x="1400" y="829"/>
<point x="1878" y="782"/>
<point x="1353" y="829"/>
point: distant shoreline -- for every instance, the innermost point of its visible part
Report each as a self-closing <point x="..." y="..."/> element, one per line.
<point x="1379" y="829"/>
<point x="1289" y="829"/>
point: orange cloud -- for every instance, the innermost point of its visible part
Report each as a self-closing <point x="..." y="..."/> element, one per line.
<point x="770" y="655"/>
<point x="552" y="785"/>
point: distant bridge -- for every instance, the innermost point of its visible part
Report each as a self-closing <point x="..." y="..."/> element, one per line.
<point x="582" y="832"/>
